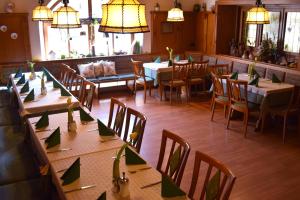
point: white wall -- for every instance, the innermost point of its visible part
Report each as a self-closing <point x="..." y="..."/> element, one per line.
<point x="26" y="6"/>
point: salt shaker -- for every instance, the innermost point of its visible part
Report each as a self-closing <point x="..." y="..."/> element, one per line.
<point x="124" y="187"/>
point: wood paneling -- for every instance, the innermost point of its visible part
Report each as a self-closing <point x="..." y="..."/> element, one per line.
<point x="206" y="29"/>
<point x="17" y="50"/>
<point x="178" y="35"/>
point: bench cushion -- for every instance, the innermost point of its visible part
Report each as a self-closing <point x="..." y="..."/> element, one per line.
<point x="279" y="74"/>
<point x="118" y="77"/>
<point x="240" y="67"/>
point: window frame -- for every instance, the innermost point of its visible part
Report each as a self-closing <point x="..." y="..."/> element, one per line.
<point x="84" y="21"/>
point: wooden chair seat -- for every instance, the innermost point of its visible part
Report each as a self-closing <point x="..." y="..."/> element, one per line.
<point x="243" y="106"/>
<point x="196" y="80"/>
<point x="176" y="83"/>
<point x="147" y="79"/>
<point x="222" y="99"/>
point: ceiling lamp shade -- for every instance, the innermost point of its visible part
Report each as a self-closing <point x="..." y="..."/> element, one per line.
<point x="65" y="17"/>
<point x="123" y="16"/>
<point x="42" y="13"/>
<point x="175" y="15"/>
<point x="258" y="14"/>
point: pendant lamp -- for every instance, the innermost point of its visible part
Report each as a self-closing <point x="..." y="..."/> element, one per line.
<point x="123" y="16"/>
<point x="258" y="14"/>
<point x="175" y="14"/>
<point x="66" y="17"/>
<point x="42" y="13"/>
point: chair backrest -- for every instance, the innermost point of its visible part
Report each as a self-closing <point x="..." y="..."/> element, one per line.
<point x="180" y="150"/>
<point x="198" y="69"/>
<point x="227" y="178"/>
<point x="221" y="69"/>
<point x="180" y="71"/>
<point x="116" y="115"/>
<point x="88" y="94"/>
<point x="77" y="86"/>
<point x="218" y="84"/>
<point x="138" y="69"/>
<point x="66" y="74"/>
<point x="134" y="128"/>
<point x="238" y="91"/>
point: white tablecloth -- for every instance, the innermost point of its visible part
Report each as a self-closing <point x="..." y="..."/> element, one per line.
<point x="53" y="101"/>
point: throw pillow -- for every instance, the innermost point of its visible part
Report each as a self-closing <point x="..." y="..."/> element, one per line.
<point x="99" y="70"/>
<point x="109" y="68"/>
<point x="87" y="70"/>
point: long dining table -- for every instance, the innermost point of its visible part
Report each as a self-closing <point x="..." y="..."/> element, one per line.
<point x="52" y="101"/>
<point x="96" y="155"/>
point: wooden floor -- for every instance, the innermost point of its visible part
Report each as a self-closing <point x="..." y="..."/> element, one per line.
<point x="265" y="168"/>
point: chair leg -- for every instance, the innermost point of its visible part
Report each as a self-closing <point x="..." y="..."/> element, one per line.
<point x="145" y="92"/>
<point x="160" y="91"/>
<point x="171" y="88"/>
<point x="134" y="85"/>
<point x="150" y="88"/>
<point x="225" y="111"/>
<point x="212" y="103"/>
<point x="229" y="117"/>
<point x="98" y="91"/>
<point x="246" y="117"/>
<point x="263" y="118"/>
<point x="284" y="127"/>
<point x="213" y="111"/>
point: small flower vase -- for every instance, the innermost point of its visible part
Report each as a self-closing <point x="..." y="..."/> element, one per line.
<point x="116" y="176"/>
<point x="72" y="126"/>
<point x="43" y="91"/>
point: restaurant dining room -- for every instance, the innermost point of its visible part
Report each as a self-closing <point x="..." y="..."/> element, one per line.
<point x="149" y="99"/>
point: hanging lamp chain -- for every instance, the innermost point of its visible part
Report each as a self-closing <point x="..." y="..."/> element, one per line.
<point x="175" y="4"/>
<point x="259" y="3"/>
<point x="41" y="2"/>
<point x="65" y="2"/>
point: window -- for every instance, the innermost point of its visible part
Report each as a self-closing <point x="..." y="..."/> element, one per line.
<point x="251" y="34"/>
<point x="271" y="30"/>
<point x="292" y="32"/>
<point x="80" y="42"/>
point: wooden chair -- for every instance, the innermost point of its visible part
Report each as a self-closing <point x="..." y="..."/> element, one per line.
<point x="76" y="85"/>
<point x="141" y="79"/>
<point x="175" y="172"/>
<point x="178" y="80"/>
<point x="135" y="125"/>
<point x="281" y="110"/>
<point x="219" y="95"/>
<point x="66" y="74"/>
<point x="227" y="179"/>
<point x="238" y="95"/>
<point x="197" y="74"/>
<point x="116" y="115"/>
<point x="88" y="94"/>
<point x="221" y="69"/>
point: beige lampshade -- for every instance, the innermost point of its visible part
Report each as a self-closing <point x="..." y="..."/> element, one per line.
<point x="258" y="15"/>
<point x="175" y="15"/>
<point x="42" y="13"/>
<point x="123" y="16"/>
<point x="65" y="17"/>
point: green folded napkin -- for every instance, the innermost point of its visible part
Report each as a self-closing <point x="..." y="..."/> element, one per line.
<point x="254" y="81"/>
<point x="30" y="96"/>
<point x="133" y="158"/>
<point x="64" y="92"/>
<point x="18" y="74"/>
<point x="255" y="73"/>
<point x="21" y="80"/>
<point x="43" y="121"/>
<point x="102" y="196"/>
<point x="234" y="76"/>
<point x="177" y="58"/>
<point x="212" y="187"/>
<point x="53" y="139"/>
<point x="104" y="130"/>
<point x="9" y="84"/>
<point x="25" y="88"/>
<point x="72" y="174"/>
<point x="47" y="74"/>
<point x="56" y="84"/>
<point x="174" y="160"/>
<point x="275" y="79"/>
<point x="169" y="188"/>
<point x="84" y="116"/>
<point x="157" y="60"/>
<point x="190" y="59"/>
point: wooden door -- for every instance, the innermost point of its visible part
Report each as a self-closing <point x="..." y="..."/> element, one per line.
<point x="14" y="50"/>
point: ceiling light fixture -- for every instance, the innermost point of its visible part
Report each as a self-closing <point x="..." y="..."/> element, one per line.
<point x="123" y="16"/>
<point x="175" y="14"/>
<point x="66" y="17"/>
<point x="258" y="14"/>
<point x="42" y="13"/>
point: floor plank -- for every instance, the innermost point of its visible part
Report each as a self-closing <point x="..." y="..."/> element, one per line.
<point x="265" y="168"/>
